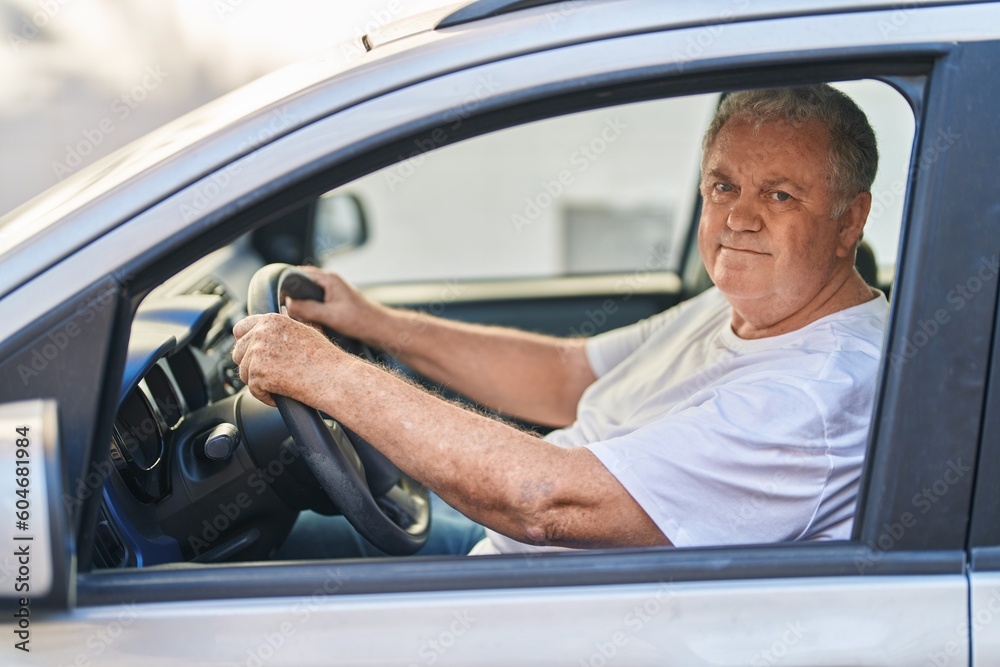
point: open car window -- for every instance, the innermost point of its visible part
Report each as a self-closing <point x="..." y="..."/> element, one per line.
<point x="610" y="191"/>
<point x="608" y="195"/>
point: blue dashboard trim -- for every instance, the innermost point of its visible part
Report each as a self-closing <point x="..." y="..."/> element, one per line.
<point x="147" y="552"/>
<point x="161" y="328"/>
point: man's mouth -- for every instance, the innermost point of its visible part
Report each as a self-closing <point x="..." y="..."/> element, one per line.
<point x="746" y="250"/>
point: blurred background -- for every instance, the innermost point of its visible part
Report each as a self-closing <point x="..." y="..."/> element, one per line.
<point x="80" y="78"/>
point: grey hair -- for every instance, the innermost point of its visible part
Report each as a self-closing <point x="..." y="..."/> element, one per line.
<point x="853" y="149"/>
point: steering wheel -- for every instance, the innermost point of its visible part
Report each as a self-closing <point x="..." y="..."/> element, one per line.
<point x="388" y="507"/>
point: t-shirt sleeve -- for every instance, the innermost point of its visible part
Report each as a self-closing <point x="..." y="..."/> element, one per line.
<point x="607" y="350"/>
<point x="705" y="478"/>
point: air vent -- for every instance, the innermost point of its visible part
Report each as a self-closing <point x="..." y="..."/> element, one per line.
<point x="109" y="550"/>
<point x="164" y="396"/>
<point x="189" y="378"/>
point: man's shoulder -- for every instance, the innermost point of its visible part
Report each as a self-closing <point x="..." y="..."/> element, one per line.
<point x="859" y="328"/>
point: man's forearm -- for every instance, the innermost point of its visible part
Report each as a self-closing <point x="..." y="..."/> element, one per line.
<point x="507" y="479"/>
<point x="503" y="478"/>
<point x="525" y="375"/>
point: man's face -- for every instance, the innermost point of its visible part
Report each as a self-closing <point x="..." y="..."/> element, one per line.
<point x="766" y="235"/>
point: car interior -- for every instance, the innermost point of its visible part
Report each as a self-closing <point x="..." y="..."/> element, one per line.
<point x="570" y="225"/>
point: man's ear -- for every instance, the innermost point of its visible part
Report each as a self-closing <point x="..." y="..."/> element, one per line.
<point x="852" y="224"/>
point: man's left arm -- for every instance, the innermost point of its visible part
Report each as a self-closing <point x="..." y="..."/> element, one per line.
<point x="505" y="479"/>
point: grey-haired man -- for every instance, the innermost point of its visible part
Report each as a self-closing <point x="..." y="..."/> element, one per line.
<point x="739" y="416"/>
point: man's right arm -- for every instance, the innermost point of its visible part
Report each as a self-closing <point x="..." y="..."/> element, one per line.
<point x="525" y="375"/>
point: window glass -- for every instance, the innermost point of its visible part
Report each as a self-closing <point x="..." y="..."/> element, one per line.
<point x="601" y="192"/>
<point x="892" y="119"/>
<point x="605" y="191"/>
<point x="610" y="190"/>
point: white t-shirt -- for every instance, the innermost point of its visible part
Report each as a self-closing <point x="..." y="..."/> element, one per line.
<point x="723" y="440"/>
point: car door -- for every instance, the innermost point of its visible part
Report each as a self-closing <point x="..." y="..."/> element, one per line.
<point x="893" y="595"/>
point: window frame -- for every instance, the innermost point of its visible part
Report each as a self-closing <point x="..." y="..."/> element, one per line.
<point x="984" y="522"/>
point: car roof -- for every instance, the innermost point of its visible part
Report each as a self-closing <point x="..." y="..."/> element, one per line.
<point x="114" y="189"/>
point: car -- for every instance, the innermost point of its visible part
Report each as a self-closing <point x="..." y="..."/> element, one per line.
<point x="527" y="163"/>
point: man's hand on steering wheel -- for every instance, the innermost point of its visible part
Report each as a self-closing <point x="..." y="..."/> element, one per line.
<point x="293" y="367"/>
<point x="350" y="318"/>
<point x="278" y="355"/>
<point x="344" y="309"/>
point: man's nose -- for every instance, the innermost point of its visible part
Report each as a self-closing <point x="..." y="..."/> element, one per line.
<point x="744" y="216"/>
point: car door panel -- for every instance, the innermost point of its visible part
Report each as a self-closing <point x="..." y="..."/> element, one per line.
<point x="572" y="306"/>
<point x="869" y="621"/>
<point x="983" y="624"/>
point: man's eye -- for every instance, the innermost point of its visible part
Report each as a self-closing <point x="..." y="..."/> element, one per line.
<point x="723" y="187"/>
<point x="780" y="196"/>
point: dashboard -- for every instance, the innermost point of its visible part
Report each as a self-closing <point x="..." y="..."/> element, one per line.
<point x="197" y="469"/>
<point x="176" y="364"/>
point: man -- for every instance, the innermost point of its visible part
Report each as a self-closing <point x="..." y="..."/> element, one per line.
<point x="739" y="416"/>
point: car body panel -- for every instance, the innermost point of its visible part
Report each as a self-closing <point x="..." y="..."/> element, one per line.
<point x="869" y="602"/>
<point x="983" y="623"/>
<point x="872" y="621"/>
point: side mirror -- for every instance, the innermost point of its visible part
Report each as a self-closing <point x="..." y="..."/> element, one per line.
<point x="314" y="232"/>
<point x="339" y="225"/>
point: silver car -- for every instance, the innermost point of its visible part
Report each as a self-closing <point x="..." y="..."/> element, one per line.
<point x="526" y="163"/>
